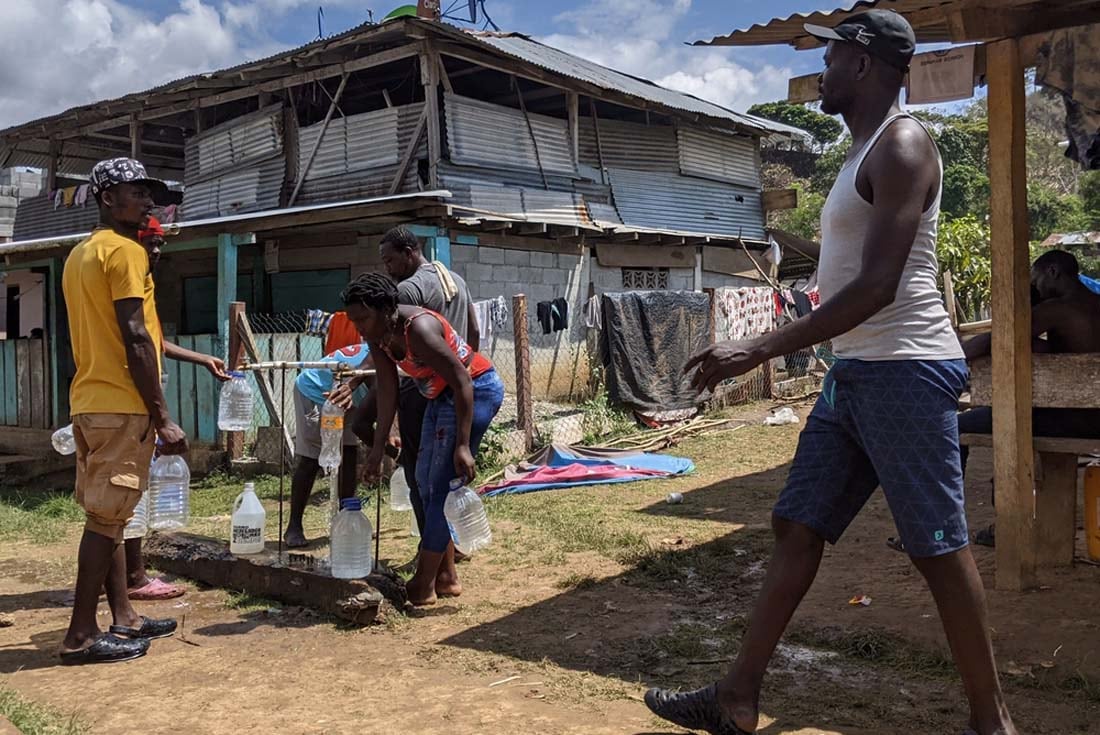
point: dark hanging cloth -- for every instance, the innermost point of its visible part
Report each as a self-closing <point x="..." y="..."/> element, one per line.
<point x="802" y="303"/>
<point x="647" y="339"/>
<point x="559" y="314"/>
<point x="1069" y="63"/>
<point x="543" y="314"/>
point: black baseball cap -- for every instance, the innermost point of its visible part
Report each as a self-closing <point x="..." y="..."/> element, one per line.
<point x="883" y="33"/>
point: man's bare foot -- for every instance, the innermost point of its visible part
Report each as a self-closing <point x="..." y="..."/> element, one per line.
<point x="420" y="596"/>
<point x="295" y="538"/>
<point x="447" y="585"/>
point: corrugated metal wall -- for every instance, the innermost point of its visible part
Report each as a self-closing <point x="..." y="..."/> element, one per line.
<point x="629" y="145"/>
<point x="36" y="217"/>
<point x="493" y="136"/>
<point x="672" y="202"/>
<point x="371" y="174"/>
<point x="720" y="156"/>
<point x="235" y="167"/>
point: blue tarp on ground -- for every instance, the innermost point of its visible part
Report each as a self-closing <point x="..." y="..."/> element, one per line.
<point x="649" y="467"/>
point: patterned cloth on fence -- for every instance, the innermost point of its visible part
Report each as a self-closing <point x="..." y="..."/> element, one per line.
<point x="744" y="312"/>
<point x="336" y="329"/>
<point x="498" y="312"/>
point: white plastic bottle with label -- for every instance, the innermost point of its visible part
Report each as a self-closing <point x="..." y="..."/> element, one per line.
<point x="466" y="515"/>
<point x="249" y="520"/>
<point x="332" y="436"/>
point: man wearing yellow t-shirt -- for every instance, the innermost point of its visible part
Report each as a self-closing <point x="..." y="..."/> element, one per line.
<point x="117" y="406"/>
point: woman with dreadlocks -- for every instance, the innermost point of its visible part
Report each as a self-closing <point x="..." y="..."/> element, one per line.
<point x="464" y="394"/>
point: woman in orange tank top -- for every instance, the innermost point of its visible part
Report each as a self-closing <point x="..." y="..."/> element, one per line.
<point x="464" y="393"/>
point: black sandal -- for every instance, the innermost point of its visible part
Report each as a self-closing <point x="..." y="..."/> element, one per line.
<point x="695" y="710"/>
<point x="987" y="537"/>
<point x="150" y="629"/>
<point x="107" y="649"/>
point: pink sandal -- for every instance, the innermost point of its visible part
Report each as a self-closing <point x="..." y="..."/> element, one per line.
<point x="157" y="589"/>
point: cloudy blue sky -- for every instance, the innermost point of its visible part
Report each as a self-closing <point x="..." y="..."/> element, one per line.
<point x="61" y="53"/>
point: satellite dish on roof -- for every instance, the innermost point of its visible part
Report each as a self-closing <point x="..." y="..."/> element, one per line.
<point x="405" y="11"/>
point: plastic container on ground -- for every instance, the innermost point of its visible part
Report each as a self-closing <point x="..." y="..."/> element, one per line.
<point x="466" y="515"/>
<point x="169" y="493"/>
<point x="400" y="500"/>
<point x="332" y="436"/>
<point x="351" y="542"/>
<point x="235" y="404"/>
<point x="139" y="524"/>
<point x="249" y="520"/>
<point x="63" y="441"/>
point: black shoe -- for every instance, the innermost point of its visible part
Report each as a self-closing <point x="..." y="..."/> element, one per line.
<point x="696" y="710"/>
<point x="107" y="649"/>
<point x="987" y="537"/>
<point x="150" y="629"/>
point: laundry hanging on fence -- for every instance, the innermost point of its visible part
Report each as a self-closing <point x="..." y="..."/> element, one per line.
<point x="498" y="312"/>
<point x="593" y="313"/>
<point x="559" y="466"/>
<point x="553" y="316"/>
<point x="1069" y="63"/>
<point x="744" y="313"/>
<point x="81" y="197"/>
<point x="647" y="339"/>
<point x="485" y="324"/>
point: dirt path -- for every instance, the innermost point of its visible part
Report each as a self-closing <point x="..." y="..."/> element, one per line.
<point x="585" y="599"/>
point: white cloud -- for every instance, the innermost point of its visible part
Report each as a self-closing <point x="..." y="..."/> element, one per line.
<point x="641" y="38"/>
<point x="72" y="52"/>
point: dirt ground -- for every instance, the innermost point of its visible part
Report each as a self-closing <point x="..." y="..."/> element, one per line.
<point x="586" y="598"/>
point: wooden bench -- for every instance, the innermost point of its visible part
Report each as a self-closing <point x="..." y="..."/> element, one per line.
<point x="1058" y="381"/>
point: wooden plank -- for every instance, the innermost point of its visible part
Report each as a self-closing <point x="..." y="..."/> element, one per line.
<point x="1055" y="509"/>
<point x="410" y="152"/>
<point x="3" y="384"/>
<point x="429" y="77"/>
<point x="949" y="299"/>
<point x="803" y="89"/>
<point x="1013" y="461"/>
<point x="641" y="256"/>
<point x="11" y="384"/>
<point x="1045" y="444"/>
<point x="39" y="396"/>
<point x="775" y="200"/>
<point x="982" y="327"/>
<point x="729" y="262"/>
<point x="525" y="414"/>
<point x="1058" y="381"/>
<point x="206" y="391"/>
<point x="573" y="109"/>
<point x="23" y="375"/>
<point x="188" y="398"/>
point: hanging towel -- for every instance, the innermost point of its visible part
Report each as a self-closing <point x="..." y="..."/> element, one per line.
<point x="1068" y="64"/>
<point x="450" y="290"/>
<point x="317" y="322"/>
<point x="559" y="314"/>
<point x="169" y="215"/>
<point x="484" y="320"/>
<point x="593" y="313"/>
<point x="81" y="197"/>
<point x="68" y="194"/>
<point x="58" y="198"/>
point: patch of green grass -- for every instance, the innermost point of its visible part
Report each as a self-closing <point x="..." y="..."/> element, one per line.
<point x="246" y="603"/>
<point x="36" y="516"/>
<point x="30" y="718"/>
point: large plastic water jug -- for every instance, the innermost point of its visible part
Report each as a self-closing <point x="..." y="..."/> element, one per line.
<point x="351" y="542"/>
<point x="139" y="524"/>
<point x="246" y="532"/>
<point x="466" y="515"/>
<point x="63" y="441"/>
<point x="332" y="436"/>
<point x="400" y="499"/>
<point x="235" y="404"/>
<point x="169" y="493"/>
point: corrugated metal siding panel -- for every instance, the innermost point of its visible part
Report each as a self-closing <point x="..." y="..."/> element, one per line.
<point x="354" y="143"/>
<point x="517" y="202"/>
<point x="372" y="181"/>
<point x="36" y="217"/>
<point x="604" y="215"/>
<point x="483" y="134"/>
<point x="237" y="143"/>
<point x="629" y="145"/>
<point x="670" y="202"/>
<point x="719" y="156"/>
<point x="250" y="189"/>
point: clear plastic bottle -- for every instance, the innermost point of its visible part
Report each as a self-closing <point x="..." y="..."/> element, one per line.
<point x="414" y="529"/>
<point x="235" y="404"/>
<point x="466" y="516"/>
<point x="63" y="441"/>
<point x="350" y="551"/>
<point x="332" y="436"/>
<point x="400" y="499"/>
<point x="169" y="493"/>
<point x="139" y="524"/>
<point x="248" y="522"/>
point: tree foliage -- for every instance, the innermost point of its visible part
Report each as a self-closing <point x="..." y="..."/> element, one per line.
<point x="823" y="128"/>
<point x="963" y="249"/>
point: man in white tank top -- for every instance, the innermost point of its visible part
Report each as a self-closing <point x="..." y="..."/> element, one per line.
<point x="887" y="414"/>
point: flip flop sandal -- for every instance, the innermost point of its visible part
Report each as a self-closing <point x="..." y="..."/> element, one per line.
<point x="106" y="649"/>
<point x="156" y="589"/>
<point x="695" y="710"/>
<point x="150" y="629"/>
